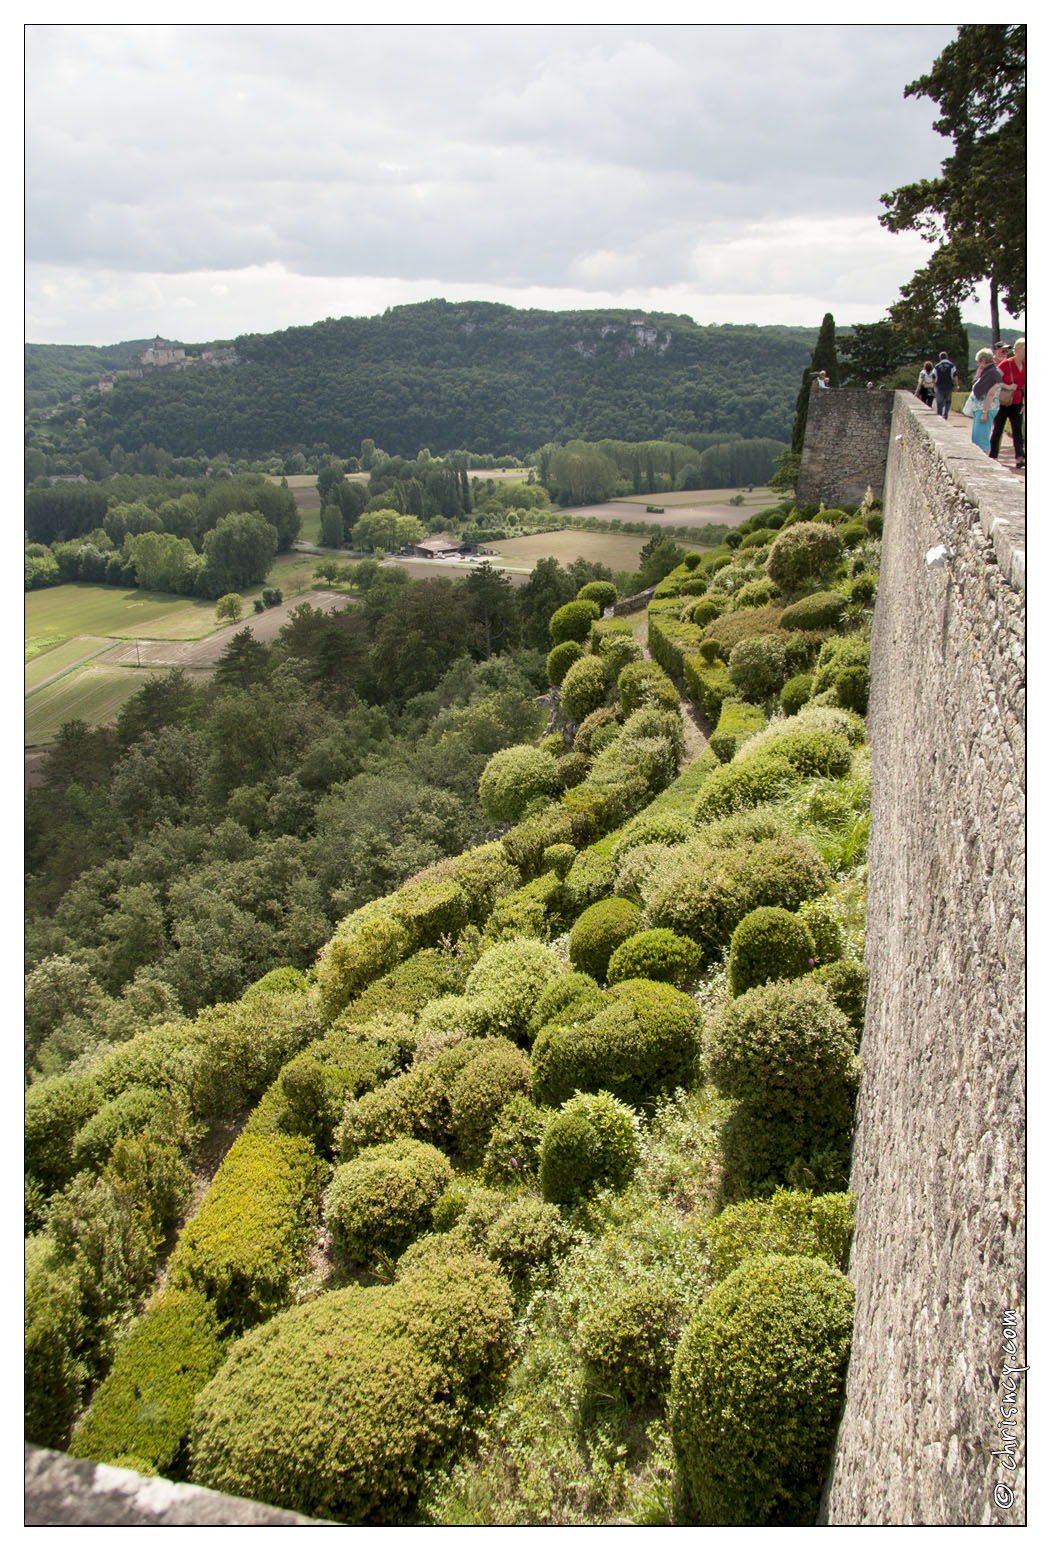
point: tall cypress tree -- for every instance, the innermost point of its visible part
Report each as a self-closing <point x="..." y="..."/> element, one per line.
<point x="823" y="359"/>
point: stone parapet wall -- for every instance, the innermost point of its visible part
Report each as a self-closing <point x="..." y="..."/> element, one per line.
<point x="845" y="451"/>
<point x="938" y="1253"/>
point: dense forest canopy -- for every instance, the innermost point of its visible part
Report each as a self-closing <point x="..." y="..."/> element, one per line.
<point x="440" y="375"/>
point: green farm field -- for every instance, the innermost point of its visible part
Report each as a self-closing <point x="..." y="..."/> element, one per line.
<point x="620" y="551"/>
<point x="92" y="694"/>
<point x="62" y="659"/>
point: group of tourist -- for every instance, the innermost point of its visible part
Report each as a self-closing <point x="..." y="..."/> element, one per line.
<point x="997" y="395"/>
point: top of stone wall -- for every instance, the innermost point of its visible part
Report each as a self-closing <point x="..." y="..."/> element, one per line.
<point x="997" y="497"/>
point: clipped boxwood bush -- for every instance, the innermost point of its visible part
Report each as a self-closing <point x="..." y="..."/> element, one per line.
<point x="646" y="684"/>
<point x="479" y="1092"/>
<point x="706" y="610"/>
<point x="768" y="944"/>
<point x="513" y="1150"/>
<point x="144" y="1405"/>
<point x="654" y="954"/>
<point x="338" y="1408"/>
<point x="509" y="977"/>
<point x="285" y="978"/>
<point x="384" y="1198"/>
<point x="593" y="1141"/>
<point x="820" y="611"/>
<point x="561" y="658"/>
<point x="847" y="983"/>
<point x="851" y="651"/>
<point x="566" y="993"/>
<point x="738" y="720"/>
<point x="572" y="622"/>
<point x="246" y="1245"/>
<point x="430" y="909"/>
<point x="54" y="1337"/>
<point x="796" y="692"/>
<point x="644" y="1041"/>
<point x="55" y="1110"/>
<point x="316" y="1084"/>
<point x="600" y="929"/>
<point x="514" y="779"/>
<point x="527" y="1240"/>
<point x="790" y="1222"/>
<point x="602" y="593"/>
<point x="363" y="948"/>
<point x="747" y="781"/>
<point x="583" y="688"/>
<point x="804" y="551"/>
<point x="821" y="920"/>
<point x="757" y="666"/>
<point x="629" y="1341"/>
<point x="765" y="1358"/>
<point x="135" y="1109"/>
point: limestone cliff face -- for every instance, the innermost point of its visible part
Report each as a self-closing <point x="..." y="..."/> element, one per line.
<point x="938" y="1257"/>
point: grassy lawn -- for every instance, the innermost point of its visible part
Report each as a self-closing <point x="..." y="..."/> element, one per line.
<point x="92" y="695"/>
<point x="55" y="614"/>
<point x="61" y="658"/>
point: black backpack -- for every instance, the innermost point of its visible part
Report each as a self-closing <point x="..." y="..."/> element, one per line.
<point x="944" y="371"/>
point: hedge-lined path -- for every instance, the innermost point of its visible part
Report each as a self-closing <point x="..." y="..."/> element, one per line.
<point x="695" y="728"/>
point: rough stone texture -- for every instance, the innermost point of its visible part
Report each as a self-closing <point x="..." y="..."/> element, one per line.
<point x="846" y="445"/>
<point x="938" y="1254"/>
<point x="61" y="1490"/>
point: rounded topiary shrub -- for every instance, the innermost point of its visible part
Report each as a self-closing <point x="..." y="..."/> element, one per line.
<point x="804" y="551"/>
<point x="564" y="996"/>
<point x="655" y="954"/>
<point x="602" y="593"/>
<point x="527" y="1240"/>
<point x="820" y="611"/>
<point x="362" y="949"/>
<point x="765" y="1358"/>
<point x="514" y="779"/>
<point x="847" y="983"/>
<point x="642" y="1042"/>
<point x="339" y="1408"/>
<point x="595" y="729"/>
<point x="768" y="944"/>
<point x="757" y="666"/>
<point x="55" y="1110"/>
<point x="513" y="1150"/>
<point x="646" y="684"/>
<point x="509" y="977"/>
<point x="863" y="589"/>
<point x="136" y="1109"/>
<point x="583" y="688"/>
<point x="144" y="1405"/>
<point x="629" y="1341"/>
<point x="480" y="1090"/>
<point x="572" y="622"/>
<point x="384" y="1198"/>
<point x="796" y="693"/>
<point x="852" y="690"/>
<point x="592" y="1142"/>
<point x="753" y="595"/>
<point x="561" y="658"/>
<point x="790" y="1222"/>
<point x="821" y="920"/>
<point x="599" y="930"/>
<point x="812" y="752"/>
<point x="749" y="780"/>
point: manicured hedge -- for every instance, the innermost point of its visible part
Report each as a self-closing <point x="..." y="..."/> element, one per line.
<point x="592" y="1142"/>
<point x="337" y="1409"/>
<point x="642" y="1042"/>
<point x="383" y="1199"/>
<point x="246" y="1245"/>
<point x="790" y="1222"/>
<point x="599" y="930"/>
<point x="738" y="720"/>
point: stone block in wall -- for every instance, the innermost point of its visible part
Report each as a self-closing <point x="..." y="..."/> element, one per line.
<point x="845" y="448"/>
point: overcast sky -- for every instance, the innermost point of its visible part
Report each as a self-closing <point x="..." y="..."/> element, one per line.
<point x="199" y="182"/>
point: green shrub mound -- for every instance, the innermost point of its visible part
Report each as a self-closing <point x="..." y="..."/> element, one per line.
<point x="563" y="996"/>
<point x="338" y="1408"/>
<point x="514" y="780"/>
<point x="803" y="552"/>
<point x="746" y="782"/>
<point x="646" y="684"/>
<point x="55" y="1334"/>
<point x="561" y="658"/>
<point x="583" y="689"/>
<point x="509" y="977"/>
<point x="602" y="593"/>
<point x="765" y="1360"/>
<point x="628" y="1343"/>
<point x="368" y="944"/>
<point x="851" y="689"/>
<point x="526" y="1241"/>
<point x="757" y="667"/>
<point x="786" y="1052"/>
<point x="654" y="954"/>
<point x="835" y="656"/>
<point x="598" y="931"/>
<point x="820" y="611"/>
<point x="572" y="622"/>
<point x="285" y="978"/>
<point x="757" y="593"/>
<point x="136" y="1109"/>
<point x="384" y="1198"/>
<point x="821" y="920"/>
<point x="813" y="751"/>
<point x="847" y="983"/>
<point x="641" y="1043"/>
<point x="592" y="1142"/>
<point x="479" y="1092"/>
<point x="429" y="909"/>
<point x="738" y="720"/>
<point x="55" y="1110"/>
<point x="316" y="1084"/>
<point x="596" y="729"/>
<point x="667" y="828"/>
<point x="414" y="1103"/>
<point x="790" y="1222"/>
<point x="144" y="1405"/>
<point x="796" y="692"/>
<point x="863" y="589"/>
<point x="246" y="1245"/>
<point x="513" y="1150"/>
<point x="768" y="944"/>
<point x="706" y="610"/>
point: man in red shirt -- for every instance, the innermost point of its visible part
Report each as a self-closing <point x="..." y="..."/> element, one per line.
<point x="1012" y="397"/>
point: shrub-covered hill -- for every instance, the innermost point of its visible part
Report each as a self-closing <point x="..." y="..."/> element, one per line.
<point x="449" y="375"/>
<point x="539" y="1173"/>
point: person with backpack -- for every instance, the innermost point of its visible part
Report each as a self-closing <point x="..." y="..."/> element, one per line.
<point x="945" y="379"/>
<point x="1012" y="397"/>
<point x="926" y="384"/>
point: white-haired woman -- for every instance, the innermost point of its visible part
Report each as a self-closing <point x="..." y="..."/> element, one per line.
<point x="986" y="389"/>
